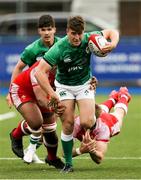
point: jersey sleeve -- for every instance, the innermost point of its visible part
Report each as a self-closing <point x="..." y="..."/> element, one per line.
<point x="28" y="57"/>
<point x="53" y="55"/>
<point x="32" y="77"/>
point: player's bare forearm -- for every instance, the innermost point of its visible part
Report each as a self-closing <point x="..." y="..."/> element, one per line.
<point x="98" y="152"/>
<point x="40" y="96"/>
<point x="113" y="35"/>
<point x="44" y="82"/>
<point x="84" y="148"/>
<point x="97" y="157"/>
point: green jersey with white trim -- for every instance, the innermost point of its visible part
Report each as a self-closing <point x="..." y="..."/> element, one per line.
<point x="73" y="63"/>
<point x="35" y="51"/>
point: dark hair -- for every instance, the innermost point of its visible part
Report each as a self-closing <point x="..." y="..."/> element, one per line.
<point x="76" y="23"/>
<point x="46" y="21"/>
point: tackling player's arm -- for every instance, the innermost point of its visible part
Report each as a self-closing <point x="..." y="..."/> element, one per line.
<point x="96" y="149"/>
<point x="86" y="145"/>
<point x="97" y="153"/>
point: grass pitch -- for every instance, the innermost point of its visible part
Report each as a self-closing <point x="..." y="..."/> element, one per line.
<point x="122" y="161"/>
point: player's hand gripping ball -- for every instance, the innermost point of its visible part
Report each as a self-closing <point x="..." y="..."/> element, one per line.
<point x="96" y="42"/>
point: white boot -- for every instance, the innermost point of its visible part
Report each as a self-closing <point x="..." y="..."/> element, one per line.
<point x="35" y="159"/>
<point x="29" y="153"/>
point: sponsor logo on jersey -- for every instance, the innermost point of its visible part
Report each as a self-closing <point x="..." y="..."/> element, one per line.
<point x="23" y="97"/>
<point x="74" y="68"/>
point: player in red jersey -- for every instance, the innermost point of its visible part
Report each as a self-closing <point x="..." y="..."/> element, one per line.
<point x="107" y="126"/>
<point x="29" y="98"/>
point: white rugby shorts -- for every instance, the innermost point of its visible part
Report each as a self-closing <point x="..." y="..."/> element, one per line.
<point x="74" y="92"/>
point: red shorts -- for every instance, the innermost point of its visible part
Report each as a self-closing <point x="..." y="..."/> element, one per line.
<point x="19" y="96"/>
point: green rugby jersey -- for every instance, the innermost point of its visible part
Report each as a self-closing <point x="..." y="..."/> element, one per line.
<point x="35" y="51"/>
<point x="73" y="63"/>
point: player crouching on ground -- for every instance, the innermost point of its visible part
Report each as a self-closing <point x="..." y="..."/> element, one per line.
<point x="107" y="126"/>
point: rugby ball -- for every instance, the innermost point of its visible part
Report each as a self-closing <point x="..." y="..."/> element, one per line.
<point x="96" y="42"/>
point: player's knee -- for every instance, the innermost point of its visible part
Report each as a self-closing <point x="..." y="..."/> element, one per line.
<point x="68" y="127"/>
<point x="88" y="123"/>
<point x="35" y="125"/>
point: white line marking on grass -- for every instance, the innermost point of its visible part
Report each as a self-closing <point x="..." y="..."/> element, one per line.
<point x="109" y="158"/>
<point x="4" y="158"/>
<point x="122" y="158"/>
<point x="7" y="116"/>
<point x="112" y="158"/>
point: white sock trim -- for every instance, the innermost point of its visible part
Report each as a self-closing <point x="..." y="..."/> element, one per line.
<point x="121" y="105"/>
<point x="104" y="108"/>
<point x="35" y="137"/>
<point x="113" y="100"/>
<point x="33" y="131"/>
<point x="22" y="127"/>
<point x="123" y="95"/>
<point x="78" y="152"/>
<point x="65" y="137"/>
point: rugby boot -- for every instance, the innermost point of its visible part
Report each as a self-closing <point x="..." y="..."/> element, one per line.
<point x="16" y="145"/>
<point x="114" y="95"/>
<point x="57" y="163"/>
<point x="123" y="91"/>
<point x="67" y="169"/>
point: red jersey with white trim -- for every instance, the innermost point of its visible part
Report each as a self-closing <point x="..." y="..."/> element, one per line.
<point x="21" y="90"/>
<point x="26" y="79"/>
<point x="107" y="125"/>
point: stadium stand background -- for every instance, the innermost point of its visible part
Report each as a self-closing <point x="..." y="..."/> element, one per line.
<point x="122" y="14"/>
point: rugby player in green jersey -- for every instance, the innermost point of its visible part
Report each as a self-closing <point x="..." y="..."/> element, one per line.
<point x="72" y="58"/>
<point x="31" y="54"/>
